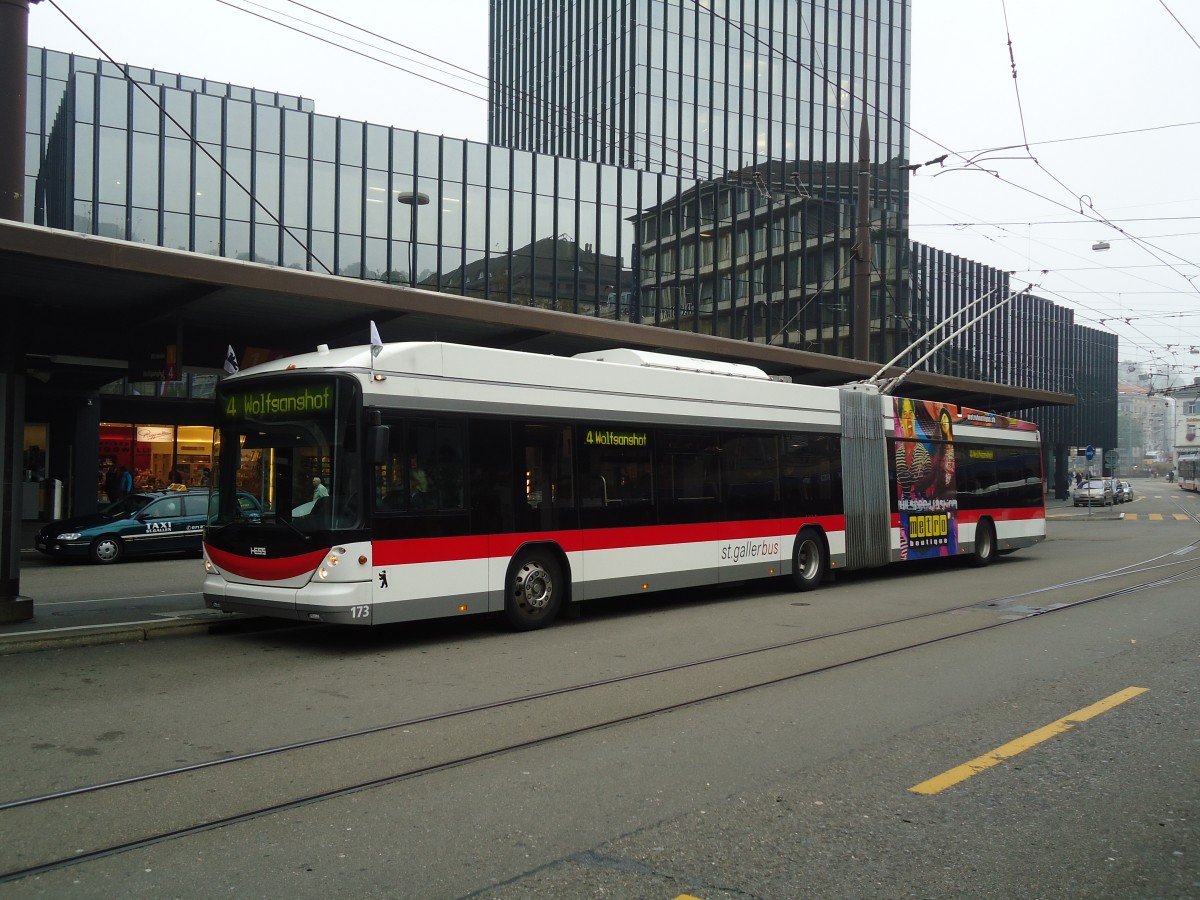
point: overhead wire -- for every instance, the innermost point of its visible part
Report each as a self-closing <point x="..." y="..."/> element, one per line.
<point x="1091" y="214"/>
<point x="1080" y="199"/>
<point x="333" y="43"/>
<point x="1180" y="24"/>
<point x="1099" y="316"/>
<point x="817" y="73"/>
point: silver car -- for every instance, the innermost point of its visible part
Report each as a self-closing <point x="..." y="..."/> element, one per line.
<point x="1095" y="492"/>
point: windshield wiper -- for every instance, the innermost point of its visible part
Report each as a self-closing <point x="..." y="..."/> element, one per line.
<point x="288" y="523"/>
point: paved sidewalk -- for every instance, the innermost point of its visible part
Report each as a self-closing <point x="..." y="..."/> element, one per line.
<point x="150" y="619"/>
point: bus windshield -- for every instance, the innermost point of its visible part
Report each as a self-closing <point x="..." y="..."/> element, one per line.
<point x="292" y="446"/>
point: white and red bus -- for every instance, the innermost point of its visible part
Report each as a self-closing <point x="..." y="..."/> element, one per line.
<point x="457" y="480"/>
<point x="1188" y="465"/>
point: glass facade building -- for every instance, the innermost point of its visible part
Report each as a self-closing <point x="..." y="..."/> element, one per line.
<point x="754" y="246"/>
<point x="684" y="165"/>
<point x="702" y="89"/>
<point x="749" y="110"/>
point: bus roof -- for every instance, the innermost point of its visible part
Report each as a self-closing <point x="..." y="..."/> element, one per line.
<point x="647" y="358"/>
<point x="634" y="385"/>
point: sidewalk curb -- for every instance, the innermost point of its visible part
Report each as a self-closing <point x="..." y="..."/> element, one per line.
<point x="115" y="634"/>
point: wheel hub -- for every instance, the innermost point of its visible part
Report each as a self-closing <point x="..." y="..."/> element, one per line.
<point x="534" y="586"/>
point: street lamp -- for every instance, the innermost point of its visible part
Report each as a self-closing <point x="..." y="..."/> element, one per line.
<point x="412" y="200"/>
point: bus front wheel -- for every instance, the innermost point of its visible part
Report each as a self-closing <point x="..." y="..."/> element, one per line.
<point x="809" y="560"/>
<point x="535" y="590"/>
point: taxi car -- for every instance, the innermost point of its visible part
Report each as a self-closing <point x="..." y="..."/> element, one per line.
<point x="169" y="521"/>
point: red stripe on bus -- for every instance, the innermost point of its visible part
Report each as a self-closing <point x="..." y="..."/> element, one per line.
<point x="260" y="569"/>
<point x="424" y="550"/>
<point x="1001" y="514"/>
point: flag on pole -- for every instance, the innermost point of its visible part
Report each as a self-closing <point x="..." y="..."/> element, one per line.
<point x="231" y="363"/>
<point x="376" y="340"/>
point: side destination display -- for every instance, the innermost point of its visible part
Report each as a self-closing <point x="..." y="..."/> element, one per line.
<point x="607" y="438"/>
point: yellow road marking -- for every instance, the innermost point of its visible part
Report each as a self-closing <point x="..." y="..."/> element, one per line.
<point x="1181" y="517"/>
<point x="981" y="763"/>
<point x="1131" y="517"/>
<point x="1155" y="517"/>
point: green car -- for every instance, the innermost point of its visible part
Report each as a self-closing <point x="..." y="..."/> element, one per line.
<point x="137" y="525"/>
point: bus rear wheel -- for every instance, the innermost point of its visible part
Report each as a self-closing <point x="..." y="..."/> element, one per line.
<point x="534" y="592"/>
<point x="985" y="545"/>
<point x="809" y="560"/>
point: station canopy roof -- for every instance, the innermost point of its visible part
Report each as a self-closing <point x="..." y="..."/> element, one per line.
<point x="91" y="308"/>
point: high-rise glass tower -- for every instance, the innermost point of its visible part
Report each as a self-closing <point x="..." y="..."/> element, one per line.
<point x="699" y="88"/>
<point x="751" y="107"/>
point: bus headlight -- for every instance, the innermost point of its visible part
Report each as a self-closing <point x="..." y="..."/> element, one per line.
<point x="334" y="557"/>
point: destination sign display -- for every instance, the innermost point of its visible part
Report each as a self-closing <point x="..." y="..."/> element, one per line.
<point x="606" y="437"/>
<point x="279" y="402"/>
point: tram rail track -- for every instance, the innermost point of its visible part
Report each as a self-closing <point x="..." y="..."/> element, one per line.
<point x="105" y="819"/>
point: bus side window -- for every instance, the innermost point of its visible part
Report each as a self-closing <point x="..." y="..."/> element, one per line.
<point x="424" y="469"/>
<point x="615" y="474"/>
<point x="750" y="473"/>
<point x="810" y="474"/>
<point x="689" y="477"/>
<point x="595" y="491"/>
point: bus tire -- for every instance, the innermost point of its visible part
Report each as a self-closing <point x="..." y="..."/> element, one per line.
<point x="534" y="590"/>
<point x="985" y="545"/>
<point x="810" y="561"/>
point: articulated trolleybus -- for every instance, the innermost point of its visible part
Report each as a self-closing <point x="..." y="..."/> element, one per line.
<point x="431" y="480"/>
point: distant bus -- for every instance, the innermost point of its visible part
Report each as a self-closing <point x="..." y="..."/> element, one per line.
<point x="1189" y="470"/>
<point x="456" y="480"/>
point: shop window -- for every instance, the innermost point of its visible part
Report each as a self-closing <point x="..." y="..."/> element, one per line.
<point x="153" y="450"/>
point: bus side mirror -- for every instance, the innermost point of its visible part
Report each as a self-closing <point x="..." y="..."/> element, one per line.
<point x="378" y="439"/>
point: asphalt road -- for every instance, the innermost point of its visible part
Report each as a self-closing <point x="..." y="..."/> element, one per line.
<point x="80" y="596"/>
<point x="799" y="788"/>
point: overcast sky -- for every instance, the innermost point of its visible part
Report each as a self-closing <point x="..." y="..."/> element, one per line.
<point x="1087" y="70"/>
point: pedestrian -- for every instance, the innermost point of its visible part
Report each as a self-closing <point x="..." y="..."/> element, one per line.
<point x="112" y="484"/>
<point x="319" y="489"/>
<point x="126" y="483"/>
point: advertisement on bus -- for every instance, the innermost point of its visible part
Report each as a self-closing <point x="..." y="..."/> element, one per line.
<point x="926" y="491"/>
